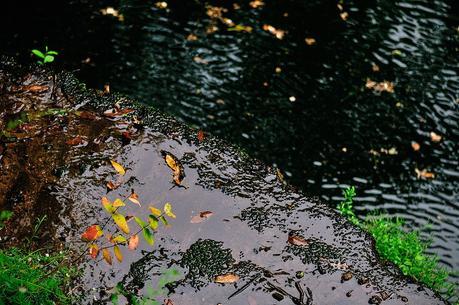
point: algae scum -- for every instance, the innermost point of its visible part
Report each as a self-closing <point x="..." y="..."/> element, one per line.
<point x="240" y="236"/>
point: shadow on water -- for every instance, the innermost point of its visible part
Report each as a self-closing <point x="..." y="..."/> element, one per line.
<point x="305" y="108"/>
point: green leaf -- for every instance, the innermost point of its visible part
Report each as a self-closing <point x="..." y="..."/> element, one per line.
<point x="168" y="210"/>
<point x="119" y="239"/>
<point x="148" y="236"/>
<point x="38" y="53"/>
<point x="140" y="222"/>
<point x="48" y="58"/>
<point x="52" y="53"/>
<point x="164" y="220"/>
<point x="120" y="220"/>
<point x="153" y="222"/>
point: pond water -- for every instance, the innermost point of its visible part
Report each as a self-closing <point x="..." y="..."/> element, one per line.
<point x="357" y="93"/>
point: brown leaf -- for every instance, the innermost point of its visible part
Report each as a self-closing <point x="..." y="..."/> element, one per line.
<point x="201" y="217"/>
<point x="381" y="86"/>
<point x="424" y="174"/>
<point x="35" y="88"/>
<point x="113" y="186"/>
<point x="176" y="167"/>
<point x="86" y="115"/>
<point x="107" y="256"/>
<point x="297" y="240"/>
<point x="74" y="141"/>
<point x="227" y="278"/>
<point x="276" y="32"/>
<point x="133" y="242"/>
<point x="416" y="146"/>
<point x="310" y="41"/>
<point x="116" y="113"/>
<point x="168" y="302"/>
<point x="435" y="137"/>
<point x="134" y="198"/>
<point x="92" y="233"/>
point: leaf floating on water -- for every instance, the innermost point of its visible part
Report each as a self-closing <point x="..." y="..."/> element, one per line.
<point x="227" y="278"/>
<point x="256" y="3"/>
<point x="113" y="186"/>
<point x="168" y="302"/>
<point x="201" y="217"/>
<point x="93" y="250"/>
<point x="86" y="115"/>
<point x="201" y="135"/>
<point x="424" y="174"/>
<point x="107" y="256"/>
<point x="200" y="60"/>
<point x="435" y="137"/>
<point x="297" y="240"/>
<point x="380" y="87"/>
<point x="133" y="242"/>
<point x="416" y="146"/>
<point x="241" y="28"/>
<point x="92" y="233"/>
<point x="118" y="254"/>
<point x="74" y="141"/>
<point x="310" y="41"/>
<point x="118" y="167"/>
<point x="117" y="112"/>
<point x="35" y="88"/>
<point x="161" y="5"/>
<point x="175" y="165"/>
<point x="120" y="220"/>
<point x="276" y="32"/>
<point x="168" y="210"/>
<point x="134" y="198"/>
<point x="111" y="11"/>
<point x="192" y="37"/>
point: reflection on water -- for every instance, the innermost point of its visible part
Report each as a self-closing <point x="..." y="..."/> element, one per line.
<point x="300" y="105"/>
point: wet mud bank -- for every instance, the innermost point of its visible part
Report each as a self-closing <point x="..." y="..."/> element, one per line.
<point x="240" y="235"/>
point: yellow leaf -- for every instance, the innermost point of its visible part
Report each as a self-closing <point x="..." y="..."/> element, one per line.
<point x="226" y="278"/>
<point x="118" y="203"/>
<point x="120" y="220"/>
<point x="107" y="256"/>
<point x="118" y="167"/>
<point x="168" y="210"/>
<point x="155" y="211"/>
<point x="108" y="205"/>
<point x="118" y="254"/>
<point x="171" y="162"/>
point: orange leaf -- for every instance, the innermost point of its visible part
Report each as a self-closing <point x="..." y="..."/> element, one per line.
<point x="133" y="242"/>
<point x="435" y="137"/>
<point x="112" y="186"/>
<point x="118" y="167"/>
<point x="424" y="174"/>
<point x="227" y="278"/>
<point x="118" y="254"/>
<point x="169" y="302"/>
<point x="155" y="211"/>
<point x="93" y="250"/>
<point x="107" y="256"/>
<point x="200" y="135"/>
<point x="416" y="146"/>
<point x="297" y="240"/>
<point x="74" y="141"/>
<point x="92" y="233"/>
<point x="118" y="112"/>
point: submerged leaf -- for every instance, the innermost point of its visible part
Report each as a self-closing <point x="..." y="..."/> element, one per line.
<point x="107" y="256"/>
<point x="92" y="233"/>
<point x="120" y="220"/>
<point x="133" y="242"/>
<point x="227" y="278"/>
<point x="118" y="167"/>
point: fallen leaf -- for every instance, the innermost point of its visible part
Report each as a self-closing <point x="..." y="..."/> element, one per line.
<point x="107" y="256"/>
<point x="113" y="186"/>
<point x="200" y="60"/>
<point x="120" y="220"/>
<point x="168" y="210"/>
<point x="116" y="113"/>
<point x="241" y="28"/>
<point x="175" y="165"/>
<point x="415" y="145"/>
<point x="126" y="137"/>
<point x="276" y="32"/>
<point x="106" y="88"/>
<point x="86" y="115"/>
<point x="381" y="86"/>
<point x="118" y="167"/>
<point x="111" y="11"/>
<point x="200" y="135"/>
<point x="74" y="141"/>
<point x="192" y="37"/>
<point x="93" y="250"/>
<point x="297" y="240"/>
<point x="344" y="15"/>
<point x="118" y="254"/>
<point x="92" y="233"/>
<point x="35" y="88"/>
<point x="134" y="198"/>
<point x="375" y="68"/>
<point x="168" y="302"/>
<point x="310" y="41"/>
<point x="227" y="278"/>
<point x="161" y="5"/>
<point x="256" y="3"/>
<point x="201" y="217"/>
<point x="133" y="242"/>
<point x="435" y="137"/>
<point x="424" y="174"/>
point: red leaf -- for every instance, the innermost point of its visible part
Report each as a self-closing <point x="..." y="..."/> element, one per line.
<point x="93" y="250"/>
<point x="92" y="233"/>
<point x="201" y="135"/>
<point x="74" y="141"/>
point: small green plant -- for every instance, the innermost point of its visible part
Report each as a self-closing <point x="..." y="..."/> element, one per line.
<point x="405" y="249"/>
<point x="44" y="57"/>
<point x="4" y="216"/>
<point x="24" y="280"/>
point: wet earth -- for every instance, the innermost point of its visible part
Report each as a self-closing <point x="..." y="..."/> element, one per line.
<point x="237" y="234"/>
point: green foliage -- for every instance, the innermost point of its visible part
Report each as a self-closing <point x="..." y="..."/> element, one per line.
<point x="4" y="216"/>
<point x="44" y="57"/>
<point x="24" y="279"/>
<point x="405" y="249"/>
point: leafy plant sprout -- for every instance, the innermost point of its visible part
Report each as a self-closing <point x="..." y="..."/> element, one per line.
<point x="44" y="57"/>
<point x="406" y="249"/>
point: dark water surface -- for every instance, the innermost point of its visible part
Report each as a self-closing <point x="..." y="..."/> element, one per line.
<point x="304" y="108"/>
